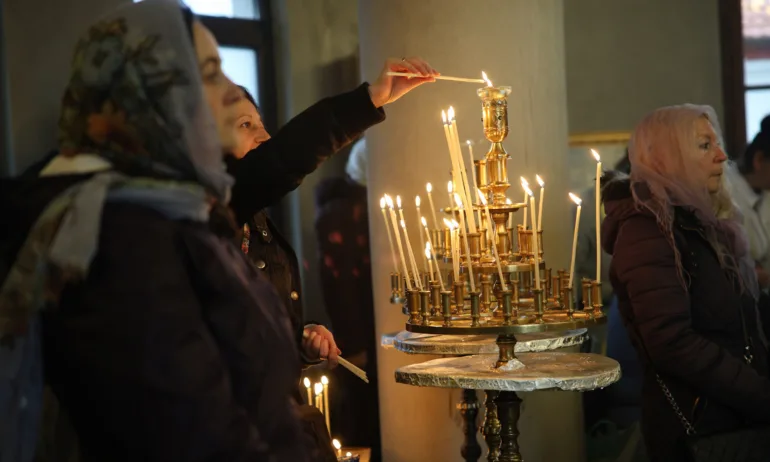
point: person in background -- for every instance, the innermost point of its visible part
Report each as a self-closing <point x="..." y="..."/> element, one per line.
<point x="686" y="285"/>
<point x="749" y="187"/>
<point x="266" y="168"/>
<point x="157" y="336"/>
<point x="585" y="257"/>
<point x="342" y="230"/>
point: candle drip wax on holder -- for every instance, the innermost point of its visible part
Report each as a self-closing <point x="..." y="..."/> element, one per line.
<point x="513" y="290"/>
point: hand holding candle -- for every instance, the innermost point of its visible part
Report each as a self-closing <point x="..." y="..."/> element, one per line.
<point x="578" y="202"/>
<point x="598" y="209"/>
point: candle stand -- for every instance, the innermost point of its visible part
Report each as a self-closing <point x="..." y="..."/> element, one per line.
<point x="513" y="294"/>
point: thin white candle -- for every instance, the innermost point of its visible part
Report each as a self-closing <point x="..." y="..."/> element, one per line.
<point x="467" y="246"/>
<point x="325" y="383"/>
<point x="398" y="241"/>
<point x="429" y="189"/>
<point x="383" y="203"/>
<point x="598" y="191"/>
<point x="437" y="77"/>
<point x="525" y="185"/>
<point x="338" y="447"/>
<point x="540" y="205"/>
<point x="577" y="201"/>
<point x="417" y="278"/>
<point x="456" y="240"/>
<point x="435" y="260"/>
<point x="452" y="245"/>
<point x="306" y="381"/>
<point x="493" y="240"/>
<point x="473" y="176"/>
<point x="422" y="241"/>
<point x="535" y="247"/>
<point x="456" y="178"/>
<point x="429" y="256"/>
<point x="467" y="199"/>
<point x="319" y="389"/>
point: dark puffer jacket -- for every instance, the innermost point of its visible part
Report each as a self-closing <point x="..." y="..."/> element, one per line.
<point x="692" y="338"/>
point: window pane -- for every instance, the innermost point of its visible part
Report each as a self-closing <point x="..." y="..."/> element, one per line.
<point x="757" y="107"/>
<point x="756" y="71"/>
<point x="246" y="9"/>
<point x="241" y="65"/>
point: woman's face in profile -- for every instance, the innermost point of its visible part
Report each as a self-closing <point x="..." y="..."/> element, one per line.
<point x="249" y="129"/>
<point x="222" y="95"/>
<point x="711" y="156"/>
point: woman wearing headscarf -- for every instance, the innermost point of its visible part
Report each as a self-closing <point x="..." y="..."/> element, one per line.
<point x="267" y="168"/>
<point x="687" y="289"/>
<point x="158" y="338"/>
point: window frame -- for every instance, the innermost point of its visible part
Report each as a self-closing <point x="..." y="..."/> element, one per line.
<point x="734" y="88"/>
<point x="257" y="35"/>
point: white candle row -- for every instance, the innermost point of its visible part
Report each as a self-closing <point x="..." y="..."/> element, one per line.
<point x="321" y="392"/>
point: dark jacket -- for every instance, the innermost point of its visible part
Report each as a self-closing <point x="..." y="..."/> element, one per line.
<point x="275" y="168"/>
<point x="692" y="338"/>
<point x="172" y="348"/>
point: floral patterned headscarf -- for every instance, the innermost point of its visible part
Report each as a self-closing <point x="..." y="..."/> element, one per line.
<point x="135" y="98"/>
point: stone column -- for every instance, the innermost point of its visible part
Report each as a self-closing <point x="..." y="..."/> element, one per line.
<point x="518" y="43"/>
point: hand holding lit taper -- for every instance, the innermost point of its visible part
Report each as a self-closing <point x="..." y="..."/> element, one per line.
<point x="311" y="338"/>
<point x="389" y="88"/>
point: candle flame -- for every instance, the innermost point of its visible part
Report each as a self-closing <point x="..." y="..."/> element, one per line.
<point x="424" y="221"/>
<point x="389" y="200"/>
<point x="348" y="454"/>
<point x="336" y="444"/>
<point x="382" y="202"/>
<point x="451" y="114"/>
<point x="417" y="201"/>
<point x="455" y="224"/>
<point x="403" y="224"/>
<point x="486" y="79"/>
<point x="427" y="251"/>
<point x="449" y="186"/>
<point x="524" y="181"/>
<point x="443" y="116"/>
<point x="481" y="197"/>
<point x="318" y="388"/>
<point x="306" y="382"/>
<point x="540" y="181"/>
<point x="324" y="380"/>
<point x="458" y="201"/>
<point x="508" y="201"/>
<point x="429" y="188"/>
<point x="448" y="223"/>
<point x="469" y="142"/>
<point x="398" y="202"/>
<point x="596" y="155"/>
<point x="575" y="199"/>
<point x="527" y="190"/>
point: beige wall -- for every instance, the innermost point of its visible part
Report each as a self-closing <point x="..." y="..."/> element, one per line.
<point x="40" y="37"/>
<point x="627" y="57"/>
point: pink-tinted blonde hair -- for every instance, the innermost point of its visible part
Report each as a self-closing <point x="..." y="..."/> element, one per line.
<point x="664" y="157"/>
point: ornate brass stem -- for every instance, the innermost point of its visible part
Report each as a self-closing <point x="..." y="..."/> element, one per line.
<point x="537" y="296"/>
<point x="413" y="304"/>
<point x="396" y="288"/>
<point x="446" y="307"/>
<point x="509" y="410"/>
<point x="491" y="427"/>
<point x="435" y="299"/>
<point x="425" y="306"/>
<point x="469" y="409"/>
<point x="475" y="313"/>
<point x="506" y="344"/>
<point x="486" y="292"/>
<point x="596" y="287"/>
<point x="507" y="308"/>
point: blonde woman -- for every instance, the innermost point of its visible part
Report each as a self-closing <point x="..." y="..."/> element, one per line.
<point x="686" y="286"/>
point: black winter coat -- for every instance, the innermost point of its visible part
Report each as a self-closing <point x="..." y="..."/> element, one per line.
<point x="693" y="338"/>
<point x="275" y="168"/>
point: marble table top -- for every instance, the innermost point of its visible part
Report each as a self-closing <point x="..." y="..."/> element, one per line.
<point x="459" y="345"/>
<point x="530" y="372"/>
